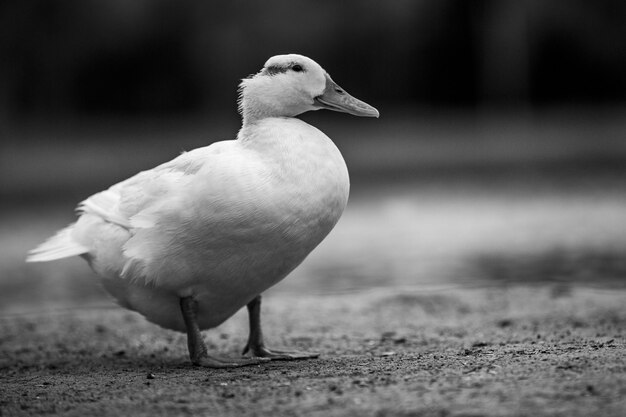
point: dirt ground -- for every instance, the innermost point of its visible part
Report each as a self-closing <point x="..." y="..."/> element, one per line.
<point x="512" y="351"/>
<point x="489" y="282"/>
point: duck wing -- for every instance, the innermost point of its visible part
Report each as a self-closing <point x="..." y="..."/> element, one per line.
<point x="113" y="216"/>
<point x="123" y="201"/>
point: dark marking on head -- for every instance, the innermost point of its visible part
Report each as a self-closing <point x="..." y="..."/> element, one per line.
<point x="280" y="69"/>
<point x="275" y="69"/>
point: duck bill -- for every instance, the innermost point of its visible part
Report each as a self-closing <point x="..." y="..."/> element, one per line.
<point x="337" y="99"/>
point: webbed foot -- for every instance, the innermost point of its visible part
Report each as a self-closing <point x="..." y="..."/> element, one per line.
<point x="256" y="346"/>
<point x="197" y="349"/>
<point x="278" y="355"/>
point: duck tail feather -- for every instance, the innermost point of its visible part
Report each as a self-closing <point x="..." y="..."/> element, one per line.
<point x="59" y="246"/>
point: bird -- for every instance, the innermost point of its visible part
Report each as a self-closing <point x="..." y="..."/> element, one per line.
<point x="192" y="241"/>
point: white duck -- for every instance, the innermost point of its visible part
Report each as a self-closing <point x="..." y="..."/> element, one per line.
<point x="190" y="242"/>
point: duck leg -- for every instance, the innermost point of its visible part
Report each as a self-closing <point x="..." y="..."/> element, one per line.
<point x="197" y="349"/>
<point x="256" y="345"/>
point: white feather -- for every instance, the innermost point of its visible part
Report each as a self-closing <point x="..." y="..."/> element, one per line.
<point x="59" y="246"/>
<point x="106" y="205"/>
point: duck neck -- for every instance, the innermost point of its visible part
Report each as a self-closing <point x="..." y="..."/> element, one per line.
<point x="262" y="131"/>
<point x="254" y="128"/>
<point x="253" y="110"/>
<point x="257" y="102"/>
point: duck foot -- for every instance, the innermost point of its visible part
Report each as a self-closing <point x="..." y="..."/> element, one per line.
<point x="256" y="346"/>
<point x="278" y="355"/>
<point x="197" y="349"/>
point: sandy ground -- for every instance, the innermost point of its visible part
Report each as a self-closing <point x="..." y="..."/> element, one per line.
<point x="469" y="302"/>
<point x="525" y="350"/>
<point x="489" y="280"/>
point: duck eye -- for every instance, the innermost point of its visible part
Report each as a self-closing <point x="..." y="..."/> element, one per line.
<point x="297" y="68"/>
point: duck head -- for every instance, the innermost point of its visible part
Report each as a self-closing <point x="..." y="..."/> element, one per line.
<point x="289" y="85"/>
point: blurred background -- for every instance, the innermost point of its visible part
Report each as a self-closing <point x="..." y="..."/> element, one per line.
<point x="499" y="157"/>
